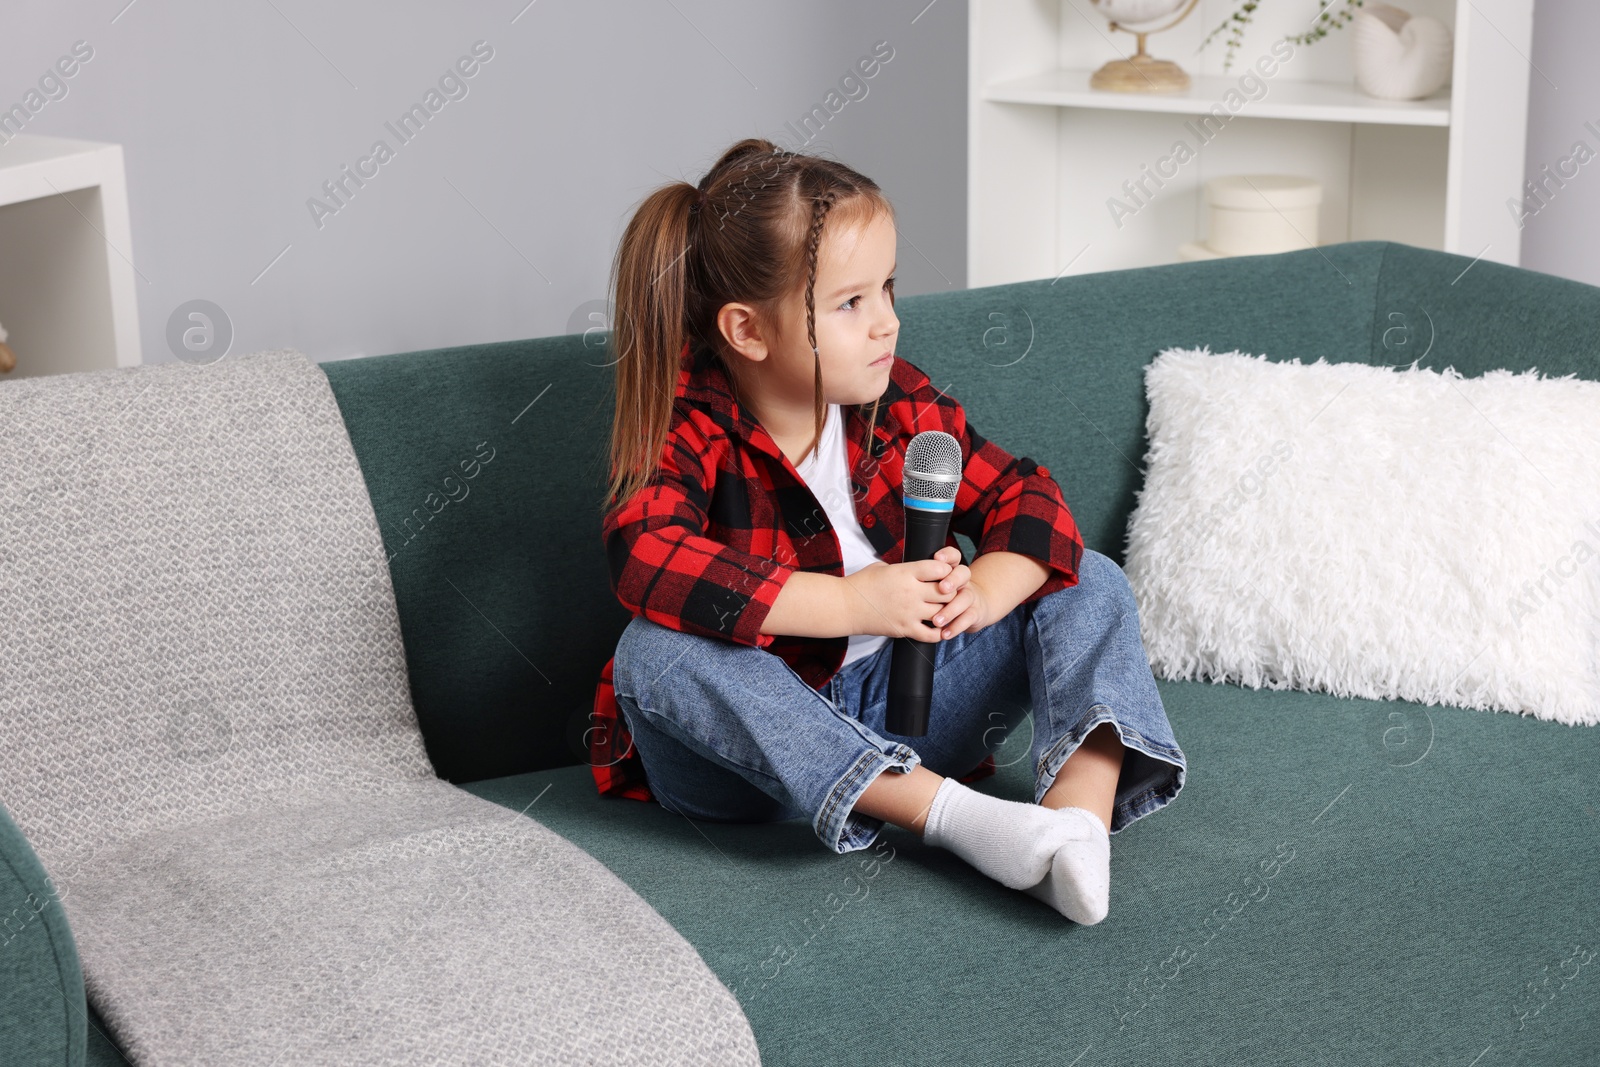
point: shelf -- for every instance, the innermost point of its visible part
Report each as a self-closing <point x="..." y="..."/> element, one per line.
<point x="1284" y="99"/>
<point x="1062" y="178"/>
<point x="32" y="167"/>
<point x="67" y="293"/>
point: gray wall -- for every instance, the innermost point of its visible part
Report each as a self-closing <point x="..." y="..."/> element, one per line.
<point x="498" y="220"/>
<point x="1564" y="94"/>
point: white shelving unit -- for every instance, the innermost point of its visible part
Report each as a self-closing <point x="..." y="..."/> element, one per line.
<point x="67" y="294"/>
<point x="1047" y="154"/>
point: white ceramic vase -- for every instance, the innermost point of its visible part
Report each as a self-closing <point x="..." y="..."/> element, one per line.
<point x="1399" y="56"/>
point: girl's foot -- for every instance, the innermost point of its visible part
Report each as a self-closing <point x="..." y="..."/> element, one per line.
<point x="1010" y="841"/>
<point x="1078" y="884"/>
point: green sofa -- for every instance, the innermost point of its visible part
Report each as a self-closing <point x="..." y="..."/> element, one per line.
<point x="1340" y="881"/>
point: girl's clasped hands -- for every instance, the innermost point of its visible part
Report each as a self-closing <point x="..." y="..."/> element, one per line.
<point x="927" y="600"/>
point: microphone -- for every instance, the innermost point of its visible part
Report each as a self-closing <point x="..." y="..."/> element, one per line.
<point x="931" y="476"/>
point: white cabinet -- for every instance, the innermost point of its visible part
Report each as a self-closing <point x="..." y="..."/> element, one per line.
<point x="67" y="277"/>
<point x="1064" y="179"/>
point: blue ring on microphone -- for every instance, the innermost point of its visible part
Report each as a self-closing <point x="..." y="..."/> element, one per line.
<point x="927" y="504"/>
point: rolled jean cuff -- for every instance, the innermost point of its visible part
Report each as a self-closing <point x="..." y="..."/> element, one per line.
<point x="1129" y="809"/>
<point x="839" y="826"/>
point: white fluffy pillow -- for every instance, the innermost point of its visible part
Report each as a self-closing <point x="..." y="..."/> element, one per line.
<point x="1370" y="532"/>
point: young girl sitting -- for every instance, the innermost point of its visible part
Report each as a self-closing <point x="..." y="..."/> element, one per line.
<point x="754" y="528"/>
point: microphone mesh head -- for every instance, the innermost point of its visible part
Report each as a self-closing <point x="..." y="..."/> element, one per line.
<point x="933" y="466"/>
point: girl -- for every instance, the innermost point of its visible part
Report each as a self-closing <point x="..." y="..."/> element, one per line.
<point x="753" y="527"/>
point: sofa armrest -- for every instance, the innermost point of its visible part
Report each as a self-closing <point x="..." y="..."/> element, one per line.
<point x="42" y="1011"/>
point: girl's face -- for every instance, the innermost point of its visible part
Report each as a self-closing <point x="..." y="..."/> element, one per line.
<point x="856" y="325"/>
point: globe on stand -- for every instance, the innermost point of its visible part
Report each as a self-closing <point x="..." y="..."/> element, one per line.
<point x="1141" y="72"/>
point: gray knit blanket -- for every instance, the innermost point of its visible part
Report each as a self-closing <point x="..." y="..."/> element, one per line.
<point x="209" y="740"/>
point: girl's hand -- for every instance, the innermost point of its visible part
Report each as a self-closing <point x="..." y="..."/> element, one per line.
<point x="968" y="607"/>
<point x="896" y="599"/>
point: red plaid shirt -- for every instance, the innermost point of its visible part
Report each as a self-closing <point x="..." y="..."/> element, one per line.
<point x="705" y="546"/>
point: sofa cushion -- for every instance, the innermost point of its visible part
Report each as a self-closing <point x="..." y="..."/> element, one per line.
<point x="1349" y="881"/>
<point x="483" y="464"/>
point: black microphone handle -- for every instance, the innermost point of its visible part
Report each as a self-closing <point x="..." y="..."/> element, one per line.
<point x="911" y="669"/>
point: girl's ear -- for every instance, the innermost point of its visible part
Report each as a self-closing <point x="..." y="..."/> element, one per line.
<point x="741" y="329"/>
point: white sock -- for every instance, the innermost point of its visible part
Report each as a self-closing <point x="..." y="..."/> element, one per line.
<point x="1078" y="884"/>
<point x="1011" y="842"/>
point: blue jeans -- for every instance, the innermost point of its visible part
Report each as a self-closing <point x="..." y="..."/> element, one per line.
<point x="730" y="733"/>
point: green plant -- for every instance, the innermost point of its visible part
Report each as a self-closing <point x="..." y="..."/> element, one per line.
<point x="1236" y="23"/>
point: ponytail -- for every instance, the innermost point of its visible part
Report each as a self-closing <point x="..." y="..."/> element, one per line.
<point x="648" y="335"/>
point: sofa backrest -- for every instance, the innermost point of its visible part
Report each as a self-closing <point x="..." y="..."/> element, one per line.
<point x="486" y="464"/>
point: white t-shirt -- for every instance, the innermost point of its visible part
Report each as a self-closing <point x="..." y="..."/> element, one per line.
<point x="827" y="474"/>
